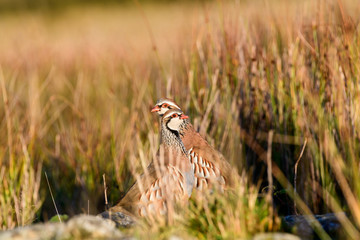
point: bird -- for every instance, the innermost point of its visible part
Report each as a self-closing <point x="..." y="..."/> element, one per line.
<point x="209" y="165"/>
<point x="169" y="178"/>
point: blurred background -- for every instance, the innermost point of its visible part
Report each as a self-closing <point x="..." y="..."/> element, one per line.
<point x="78" y="79"/>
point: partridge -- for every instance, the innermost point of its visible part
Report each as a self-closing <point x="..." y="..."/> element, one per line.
<point x="209" y="164"/>
<point x="168" y="179"/>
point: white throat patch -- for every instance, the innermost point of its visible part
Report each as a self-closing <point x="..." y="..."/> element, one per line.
<point x="171" y="104"/>
<point x="174" y="124"/>
<point x="163" y="110"/>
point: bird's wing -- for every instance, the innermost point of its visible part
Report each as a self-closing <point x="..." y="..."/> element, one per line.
<point x="210" y="165"/>
<point x="152" y="190"/>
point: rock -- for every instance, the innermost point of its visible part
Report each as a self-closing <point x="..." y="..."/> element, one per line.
<point x="92" y="227"/>
<point x="119" y="218"/>
<point x="275" y="236"/>
<point x="78" y="227"/>
<point x="301" y="226"/>
<point x="36" y="231"/>
<point x="174" y="237"/>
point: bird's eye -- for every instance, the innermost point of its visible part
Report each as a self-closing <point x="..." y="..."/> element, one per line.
<point x="174" y="115"/>
<point x="165" y="105"/>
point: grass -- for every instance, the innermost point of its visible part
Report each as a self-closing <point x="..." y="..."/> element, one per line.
<point x="77" y="90"/>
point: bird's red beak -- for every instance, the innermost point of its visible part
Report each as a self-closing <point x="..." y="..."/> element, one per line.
<point x="155" y="109"/>
<point x="183" y="116"/>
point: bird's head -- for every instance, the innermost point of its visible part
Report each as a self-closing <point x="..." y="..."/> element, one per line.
<point x="173" y="119"/>
<point x="163" y="105"/>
